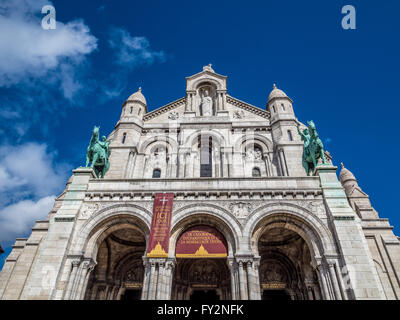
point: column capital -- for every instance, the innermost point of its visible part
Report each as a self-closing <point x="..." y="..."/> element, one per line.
<point x="244" y="259"/>
<point x="88" y="263"/>
<point x="76" y="263"/>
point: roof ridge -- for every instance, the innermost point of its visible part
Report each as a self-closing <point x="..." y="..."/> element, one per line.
<point x="248" y="107"/>
<point x="163" y="109"/>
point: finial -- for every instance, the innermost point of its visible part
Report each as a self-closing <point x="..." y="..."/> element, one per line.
<point x="208" y="68"/>
<point x="342" y="165"/>
<point x="274" y="85"/>
<point x="140" y="89"/>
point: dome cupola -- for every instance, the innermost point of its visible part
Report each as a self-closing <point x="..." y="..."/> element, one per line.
<point x="138" y="97"/>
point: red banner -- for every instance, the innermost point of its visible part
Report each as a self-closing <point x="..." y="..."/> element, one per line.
<point x="201" y="242"/>
<point x="160" y="225"/>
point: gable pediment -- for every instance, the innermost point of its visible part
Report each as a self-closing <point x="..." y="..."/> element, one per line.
<point x="208" y="75"/>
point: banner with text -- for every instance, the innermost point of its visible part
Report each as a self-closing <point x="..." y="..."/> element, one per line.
<point x="201" y="242"/>
<point x="160" y="225"/>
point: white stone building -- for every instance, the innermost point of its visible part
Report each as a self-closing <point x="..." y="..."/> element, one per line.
<point x="233" y="167"/>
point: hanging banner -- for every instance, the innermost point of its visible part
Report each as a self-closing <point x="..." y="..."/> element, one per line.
<point x="160" y="225"/>
<point x="201" y="242"/>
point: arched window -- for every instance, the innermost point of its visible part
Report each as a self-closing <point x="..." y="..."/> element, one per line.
<point x="283" y="107"/>
<point x="156" y="173"/>
<point x="140" y="110"/>
<point x="124" y="138"/>
<point x="256" y="172"/>
<point x="131" y="109"/>
<point x="273" y="108"/>
<point x="290" y="137"/>
<point x="205" y="147"/>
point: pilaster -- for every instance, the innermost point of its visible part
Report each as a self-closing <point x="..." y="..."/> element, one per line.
<point x="53" y="252"/>
<point x="346" y="226"/>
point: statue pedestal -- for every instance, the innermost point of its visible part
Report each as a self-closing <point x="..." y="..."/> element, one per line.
<point x="81" y="171"/>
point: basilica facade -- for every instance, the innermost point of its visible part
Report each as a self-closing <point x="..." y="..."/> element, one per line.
<point x="207" y="198"/>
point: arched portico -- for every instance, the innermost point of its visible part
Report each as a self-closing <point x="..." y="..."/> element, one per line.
<point x="113" y="242"/>
<point x="297" y="255"/>
<point x="201" y="244"/>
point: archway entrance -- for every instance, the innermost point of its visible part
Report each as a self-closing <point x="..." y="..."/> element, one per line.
<point x="285" y="268"/>
<point x="201" y="272"/>
<point x="119" y="271"/>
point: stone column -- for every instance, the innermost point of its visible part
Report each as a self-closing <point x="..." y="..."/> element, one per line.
<point x="174" y="165"/>
<point x="86" y="268"/>
<point x="233" y="270"/>
<point x="189" y="108"/>
<point x="323" y="285"/>
<point x="146" y="279"/>
<point x="267" y="165"/>
<point x="152" y="282"/>
<point x="169" y="275"/>
<point x="160" y="280"/>
<point x="226" y="153"/>
<point x="242" y="281"/>
<point x="221" y="96"/>
<point x="72" y="279"/>
<point x="282" y="162"/>
<point x="253" y="280"/>
<point x="181" y="166"/>
<point x="334" y="280"/>
<point x="250" y="282"/>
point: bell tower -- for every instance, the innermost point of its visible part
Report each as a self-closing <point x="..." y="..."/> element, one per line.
<point x="126" y="136"/>
<point x="287" y="141"/>
<point x="134" y="108"/>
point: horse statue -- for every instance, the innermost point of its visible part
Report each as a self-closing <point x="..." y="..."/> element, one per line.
<point x="98" y="154"/>
<point x="313" y="147"/>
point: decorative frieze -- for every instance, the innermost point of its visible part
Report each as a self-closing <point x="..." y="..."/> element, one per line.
<point x="240" y="209"/>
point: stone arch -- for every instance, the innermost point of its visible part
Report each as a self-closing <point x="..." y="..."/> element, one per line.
<point x="196" y="84"/>
<point x="218" y="138"/>
<point x="167" y="141"/>
<point x="314" y="232"/>
<point x="264" y="142"/>
<point x="108" y="220"/>
<point x="205" y="214"/>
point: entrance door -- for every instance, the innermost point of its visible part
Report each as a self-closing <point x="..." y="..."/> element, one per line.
<point x="204" y="295"/>
<point x="132" y="294"/>
<point x="275" y="295"/>
<point x="201" y="271"/>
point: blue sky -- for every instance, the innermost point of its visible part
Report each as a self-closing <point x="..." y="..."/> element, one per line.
<point x="55" y="85"/>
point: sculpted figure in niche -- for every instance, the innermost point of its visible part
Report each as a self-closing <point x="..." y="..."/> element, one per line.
<point x="159" y="155"/>
<point x="257" y="153"/>
<point x="207" y="104"/>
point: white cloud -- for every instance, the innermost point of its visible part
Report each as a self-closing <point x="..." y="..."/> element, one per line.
<point x="133" y="51"/>
<point x="29" y="179"/>
<point x="30" y="166"/>
<point x="17" y="219"/>
<point x="27" y="51"/>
